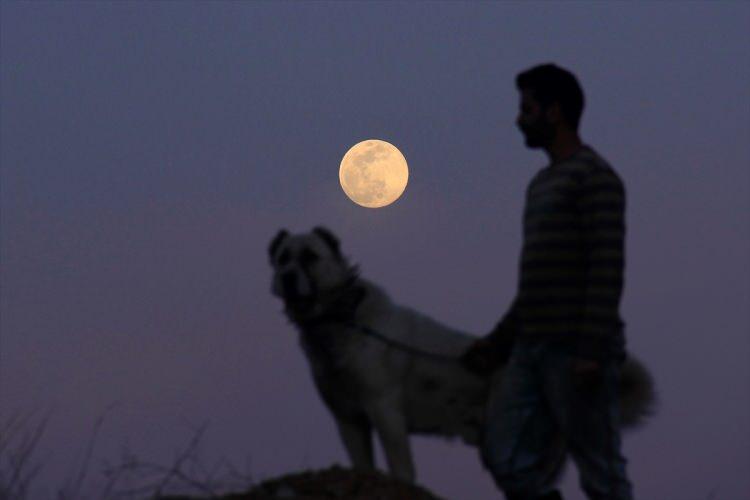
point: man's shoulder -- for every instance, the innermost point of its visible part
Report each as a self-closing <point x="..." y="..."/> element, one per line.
<point x="585" y="168"/>
<point x="588" y="164"/>
<point x="586" y="159"/>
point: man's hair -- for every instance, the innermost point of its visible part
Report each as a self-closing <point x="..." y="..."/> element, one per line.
<point x="552" y="84"/>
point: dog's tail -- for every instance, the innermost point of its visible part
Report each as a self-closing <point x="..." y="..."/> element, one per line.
<point x="638" y="397"/>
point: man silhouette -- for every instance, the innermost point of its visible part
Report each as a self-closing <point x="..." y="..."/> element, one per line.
<point x="561" y="341"/>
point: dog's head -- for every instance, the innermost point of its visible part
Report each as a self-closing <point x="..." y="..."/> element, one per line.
<point x="309" y="270"/>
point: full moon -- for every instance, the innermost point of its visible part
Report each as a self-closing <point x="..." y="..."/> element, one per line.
<point x="373" y="173"/>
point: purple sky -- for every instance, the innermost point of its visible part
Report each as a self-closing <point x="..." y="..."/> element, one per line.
<point x="150" y="151"/>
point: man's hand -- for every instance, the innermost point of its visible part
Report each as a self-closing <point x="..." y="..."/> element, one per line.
<point x="480" y="357"/>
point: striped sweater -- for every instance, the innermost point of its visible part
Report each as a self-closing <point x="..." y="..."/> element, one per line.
<point x="572" y="262"/>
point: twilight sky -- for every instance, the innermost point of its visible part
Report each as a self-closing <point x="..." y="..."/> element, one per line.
<point x="149" y="151"/>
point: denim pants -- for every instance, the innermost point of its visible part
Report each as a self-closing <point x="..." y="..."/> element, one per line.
<point x="539" y="411"/>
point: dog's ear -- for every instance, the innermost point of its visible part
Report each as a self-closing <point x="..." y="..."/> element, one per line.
<point x="276" y="241"/>
<point x="330" y="240"/>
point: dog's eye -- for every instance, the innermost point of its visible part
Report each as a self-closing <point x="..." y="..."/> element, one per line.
<point x="284" y="258"/>
<point x="308" y="257"/>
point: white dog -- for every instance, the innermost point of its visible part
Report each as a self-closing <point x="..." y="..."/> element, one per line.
<point x="383" y="367"/>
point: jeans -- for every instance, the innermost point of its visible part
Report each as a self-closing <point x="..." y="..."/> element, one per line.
<point x="539" y="411"/>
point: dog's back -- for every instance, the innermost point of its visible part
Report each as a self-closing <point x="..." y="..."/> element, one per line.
<point x="441" y="397"/>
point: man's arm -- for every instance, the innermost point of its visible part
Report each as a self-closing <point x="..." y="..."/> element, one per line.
<point x="602" y="207"/>
<point x="504" y="332"/>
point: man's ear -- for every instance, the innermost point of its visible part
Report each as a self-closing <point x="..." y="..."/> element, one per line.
<point x="330" y="239"/>
<point x="276" y="241"/>
<point x="554" y="113"/>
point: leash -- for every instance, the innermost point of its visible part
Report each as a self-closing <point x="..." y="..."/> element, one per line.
<point x="365" y="330"/>
<point x="373" y="333"/>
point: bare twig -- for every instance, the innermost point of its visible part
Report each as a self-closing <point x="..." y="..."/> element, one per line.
<point x="72" y="490"/>
<point x="187" y="470"/>
<point x="17" y="445"/>
<point x="140" y="479"/>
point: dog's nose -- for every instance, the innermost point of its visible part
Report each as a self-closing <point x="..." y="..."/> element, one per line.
<point x="289" y="282"/>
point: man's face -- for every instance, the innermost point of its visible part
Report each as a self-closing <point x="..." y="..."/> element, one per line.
<point x="532" y="120"/>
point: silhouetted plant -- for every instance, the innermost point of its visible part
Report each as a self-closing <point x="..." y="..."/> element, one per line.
<point x="128" y="478"/>
<point x="18" y="440"/>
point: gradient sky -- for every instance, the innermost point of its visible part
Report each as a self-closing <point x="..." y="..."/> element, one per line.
<point x="150" y="151"/>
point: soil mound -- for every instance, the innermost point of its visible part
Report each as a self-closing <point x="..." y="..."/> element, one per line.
<point x="333" y="483"/>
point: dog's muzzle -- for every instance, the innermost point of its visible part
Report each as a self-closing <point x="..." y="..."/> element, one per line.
<point x="293" y="291"/>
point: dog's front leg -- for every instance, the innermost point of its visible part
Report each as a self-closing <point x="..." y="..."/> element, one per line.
<point x="357" y="438"/>
<point x="390" y="424"/>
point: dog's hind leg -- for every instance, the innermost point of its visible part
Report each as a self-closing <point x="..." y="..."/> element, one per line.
<point x="390" y="424"/>
<point x="357" y="438"/>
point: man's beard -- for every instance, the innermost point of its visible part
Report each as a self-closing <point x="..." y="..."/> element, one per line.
<point x="538" y="135"/>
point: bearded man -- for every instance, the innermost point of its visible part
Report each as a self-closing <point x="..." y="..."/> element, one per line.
<point x="561" y="343"/>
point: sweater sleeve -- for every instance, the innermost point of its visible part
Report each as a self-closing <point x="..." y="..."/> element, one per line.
<point x="504" y="333"/>
<point x="601" y="204"/>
